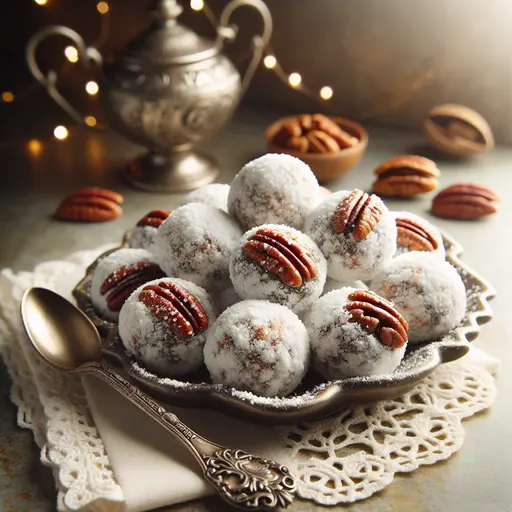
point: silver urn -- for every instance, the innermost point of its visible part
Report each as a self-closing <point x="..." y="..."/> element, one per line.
<point x="168" y="90"/>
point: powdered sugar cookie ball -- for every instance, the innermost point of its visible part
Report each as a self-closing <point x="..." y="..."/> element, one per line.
<point x="280" y="264"/>
<point x="332" y="284"/>
<point x="117" y="275"/>
<point x="195" y="243"/>
<point x="143" y="234"/>
<point x="355" y="232"/>
<point x="417" y="234"/>
<point x="273" y="189"/>
<point x="355" y="333"/>
<point x="214" y="194"/>
<point x="164" y="324"/>
<point x="258" y="346"/>
<point x="427" y="291"/>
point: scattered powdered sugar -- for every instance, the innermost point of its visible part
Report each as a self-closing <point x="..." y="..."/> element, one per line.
<point x="427" y="291"/>
<point x="108" y="265"/>
<point x="195" y="243"/>
<point x="349" y="259"/>
<point x="258" y="346"/>
<point x="252" y="281"/>
<point x="273" y="189"/>
<point x="427" y="226"/>
<point x="142" y="237"/>
<point x="214" y="194"/>
<point x="151" y="340"/>
<point x="342" y="348"/>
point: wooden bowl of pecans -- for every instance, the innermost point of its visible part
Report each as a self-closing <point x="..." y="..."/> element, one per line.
<point x="331" y="146"/>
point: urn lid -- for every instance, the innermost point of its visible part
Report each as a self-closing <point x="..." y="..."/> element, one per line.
<point x="165" y="41"/>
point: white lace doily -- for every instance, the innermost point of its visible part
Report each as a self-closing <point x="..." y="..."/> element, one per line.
<point x="339" y="460"/>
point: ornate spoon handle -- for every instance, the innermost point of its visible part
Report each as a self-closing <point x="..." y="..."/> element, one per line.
<point x="243" y="480"/>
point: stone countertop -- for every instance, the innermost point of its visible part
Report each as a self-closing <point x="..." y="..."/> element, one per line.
<point x="35" y="177"/>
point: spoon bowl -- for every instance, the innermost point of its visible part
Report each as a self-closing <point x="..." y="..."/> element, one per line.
<point x="61" y="333"/>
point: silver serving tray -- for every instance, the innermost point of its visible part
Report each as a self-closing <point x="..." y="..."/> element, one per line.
<point x="315" y="398"/>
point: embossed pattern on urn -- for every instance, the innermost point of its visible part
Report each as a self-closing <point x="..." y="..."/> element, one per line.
<point x="171" y="110"/>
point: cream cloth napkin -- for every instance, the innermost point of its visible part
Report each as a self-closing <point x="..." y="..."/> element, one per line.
<point x="124" y="461"/>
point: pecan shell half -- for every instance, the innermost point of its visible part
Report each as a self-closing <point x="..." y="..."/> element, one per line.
<point x="123" y="282"/>
<point x="175" y="305"/>
<point x="358" y="213"/>
<point x="378" y="316"/>
<point x="406" y="176"/>
<point x="414" y="236"/>
<point x="280" y="254"/>
<point x="465" y="201"/>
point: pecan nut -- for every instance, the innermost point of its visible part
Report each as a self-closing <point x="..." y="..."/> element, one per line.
<point x="465" y="201"/>
<point x="378" y="316"/>
<point x="358" y="214"/>
<point x="91" y="204"/>
<point x="321" y="142"/>
<point x="122" y="283"/>
<point x="406" y="176"/>
<point x="154" y="218"/>
<point x="313" y="133"/>
<point x="414" y="236"/>
<point x="179" y="308"/>
<point x="458" y="130"/>
<point x="280" y="254"/>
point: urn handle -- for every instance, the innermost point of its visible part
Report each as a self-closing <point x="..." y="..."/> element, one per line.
<point x="259" y="42"/>
<point x="89" y="57"/>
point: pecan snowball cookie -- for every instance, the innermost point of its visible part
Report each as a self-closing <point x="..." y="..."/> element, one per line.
<point x="195" y="243"/>
<point x="355" y="333"/>
<point x="164" y="324"/>
<point x="355" y="232"/>
<point x="427" y="291"/>
<point x="214" y="194"/>
<point x="417" y="234"/>
<point x="273" y="189"/>
<point x="117" y="275"/>
<point x="258" y="346"/>
<point x="279" y="264"/>
<point x="143" y="234"/>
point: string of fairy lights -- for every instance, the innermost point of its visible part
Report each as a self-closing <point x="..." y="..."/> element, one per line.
<point x="270" y="62"/>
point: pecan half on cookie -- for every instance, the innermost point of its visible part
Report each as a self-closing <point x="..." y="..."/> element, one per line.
<point x="122" y="283"/>
<point x="378" y="316"/>
<point x="358" y="213"/>
<point x="282" y="256"/>
<point x="178" y="307"/>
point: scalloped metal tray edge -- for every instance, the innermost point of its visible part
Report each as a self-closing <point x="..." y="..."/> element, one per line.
<point x="314" y="399"/>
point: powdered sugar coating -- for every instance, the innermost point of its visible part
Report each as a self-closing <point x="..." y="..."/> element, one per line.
<point x="223" y="295"/>
<point x="425" y="224"/>
<point x="342" y="348"/>
<point x="273" y="189"/>
<point x="253" y="281"/>
<point x="142" y="237"/>
<point x="332" y="284"/>
<point x="195" y="243"/>
<point x="214" y="194"/>
<point x="349" y="259"/>
<point x="258" y="346"/>
<point x="151" y="340"/>
<point x="426" y="290"/>
<point x="108" y="265"/>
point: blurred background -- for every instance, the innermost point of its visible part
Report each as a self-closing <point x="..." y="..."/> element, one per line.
<point x="386" y="62"/>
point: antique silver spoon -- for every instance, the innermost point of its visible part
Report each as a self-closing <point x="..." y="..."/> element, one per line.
<point x="69" y="341"/>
